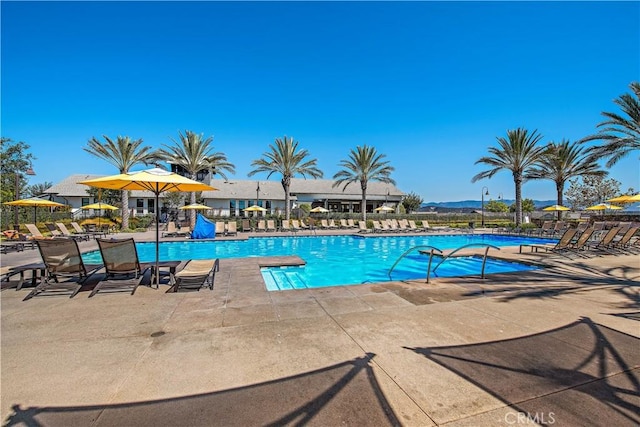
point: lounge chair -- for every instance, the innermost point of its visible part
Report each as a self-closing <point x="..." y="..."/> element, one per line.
<point x="351" y="224"/>
<point x="362" y="227"/>
<point x="303" y="225"/>
<point x="246" y="226"/>
<point x="220" y="228"/>
<point x="53" y="229"/>
<point x="62" y="259"/>
<point x="545" y="228"/>
<point x="343" y="224"/>
<point x="261" y="225"/>
<point x="332" y="225"/>
<point x="231" y="228"/>
<point x="123" y="268"/>
<point x="271" y="225"/>
<point x="285" y="225"/>
<point x="606" y="242"/>
<point x="562" y="245"/>
<point x="35" y="233"/>
<point x="171" y="230"/>
<point x="66" y="233"/>
<point x="295" y="225"/>
<point x="582" y="243"/>
<point x="624" y="243"/>
<point x="196" y="274"/>
<point x="90" y="231"/>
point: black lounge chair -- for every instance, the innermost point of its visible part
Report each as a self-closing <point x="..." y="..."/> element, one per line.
<point x="196" y="274"/>
<point x="123" y="268"/>
<point x="62" y="259"/>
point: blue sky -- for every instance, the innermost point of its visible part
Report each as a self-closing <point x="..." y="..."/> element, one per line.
<point x="429" y="84"/>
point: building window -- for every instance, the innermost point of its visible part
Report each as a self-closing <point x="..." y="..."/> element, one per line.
<point x="232" y="207"/>
<point x="151" y="205"/>
<point x="140" y="206"/>
<point x="85" y="201"/>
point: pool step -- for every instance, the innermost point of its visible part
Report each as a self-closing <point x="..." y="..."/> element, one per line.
<point x="283" y="279"/>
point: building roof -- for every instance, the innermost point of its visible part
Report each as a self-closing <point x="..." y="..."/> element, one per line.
<point x="246" y="189"/>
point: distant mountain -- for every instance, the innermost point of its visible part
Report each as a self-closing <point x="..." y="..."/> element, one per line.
<point x="477" y="204"/>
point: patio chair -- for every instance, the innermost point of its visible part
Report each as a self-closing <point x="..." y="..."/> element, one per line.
<point x="362" y="227"/>
<point x="303" y="225"/>
<point x="545" y="228"/>
<point x="123" y="268"/>
<point x="62" y="259"/>
<point x="332" y="225"/>
<point x="343" y="224"/>
<point x="562" y="245"/>
<point x="220" y="228"/>
<point x="66" y="233"/>
<point x="624" y="243"/>
<point x="53" y="229"/>
<point x="261" y="225"/>
<point x="351" y="224"/>
<point x="35" y="233"/>
<point x="271" y="225"/>
<point x="606" y="242"/>
<point x="196" y="274"/>
<point x="295" y="225"/>
<point x="79" y="230"/>
<point x="231" y="228"/>
<point x="285" y="225"/>
<point x="246" y="225"/>
<point x="171" y="230"/>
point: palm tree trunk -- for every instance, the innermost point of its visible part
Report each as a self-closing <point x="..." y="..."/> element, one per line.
<point x="518" y="182"/>
<point x="286" y="183"/>
<point x="559" y="191"/>
<point x="192" y="214"/>
<point x="125" y="210"/>
<point x="363" y="203"/>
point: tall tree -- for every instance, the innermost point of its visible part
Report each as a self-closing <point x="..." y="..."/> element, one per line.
<point x="363" y="165"/>
<point x="194" y="153"/>
<point x="621" y="135"/>
<point x="562" y="161"/>
<point x="412" y="202"/>
<point x="285" y="158"/>
<point x="591" y="190"/>
<point x="518" y="152"/>
<point x="123" y="153"/>
<point x="36" y="190"/>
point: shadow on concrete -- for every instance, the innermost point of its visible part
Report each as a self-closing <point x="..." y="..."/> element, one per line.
<point x="343" y="394"/>
<point x="579" y="374"/>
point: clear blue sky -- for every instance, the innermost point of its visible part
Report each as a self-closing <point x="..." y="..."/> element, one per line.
<point x="431" y="85"/>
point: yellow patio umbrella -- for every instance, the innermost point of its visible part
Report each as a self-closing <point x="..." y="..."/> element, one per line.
<point x="155" y="180"/>
<point x="255" y="208"/>
<point x="319" y="209"/>
<point x="625" y="199"/>
<point x="603" y="206"/>
<point x="35" y="202"/>
<point x="384" y="209"/>
<point x="556" y="208"/>
<point x="195" y="206"/>
<point x="100" y="206"/>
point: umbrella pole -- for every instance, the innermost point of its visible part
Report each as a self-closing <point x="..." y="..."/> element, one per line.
<point x="157" y="241"/>
<point x="35" y="214"/>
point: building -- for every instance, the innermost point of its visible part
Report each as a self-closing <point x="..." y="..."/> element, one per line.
<point x="232" y="196"/>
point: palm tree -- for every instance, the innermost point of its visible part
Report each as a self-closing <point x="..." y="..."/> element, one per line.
<point x="193" y="153"/>
<point x="286" y="159"/>
<point x="123" y="154"/>
<point x="562" y="161"/>
<point x="516" y="153"/>
<point x="363" y="165"/>
<point x="621" y="134"/>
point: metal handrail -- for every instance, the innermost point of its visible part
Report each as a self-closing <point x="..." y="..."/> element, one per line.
<point x="484" y="260"/>
<point x="431" y="251"/>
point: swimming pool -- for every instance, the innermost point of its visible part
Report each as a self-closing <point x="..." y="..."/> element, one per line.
<point x="331" y="260"/>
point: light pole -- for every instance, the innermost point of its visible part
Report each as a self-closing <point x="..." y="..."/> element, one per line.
<point x="16" y="219"/>
<point x="483" y="194"/>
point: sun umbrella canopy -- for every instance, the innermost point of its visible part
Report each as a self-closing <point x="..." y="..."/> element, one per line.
<point x="603" y="206"/>
<point x="99" y="206"/>
<point x="384" y="208"/>
<point x="195" y="206"/>
<point x="34" y="201"/>
<point x="625" y="199"/>
<point x="556" y="208"/>
<point x="155" y="180"/>
<point x="319" y="209"/>
<point x="255" y="208"/>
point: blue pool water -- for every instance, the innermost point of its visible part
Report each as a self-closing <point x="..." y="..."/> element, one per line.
<point x="331" y="260"/>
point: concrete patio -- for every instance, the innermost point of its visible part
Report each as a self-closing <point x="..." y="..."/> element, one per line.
<point x="553" y="346"/>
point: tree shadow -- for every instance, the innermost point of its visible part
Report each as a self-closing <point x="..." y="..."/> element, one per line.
<point x="344" y="393"/>
<point x="582" y="373"/>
